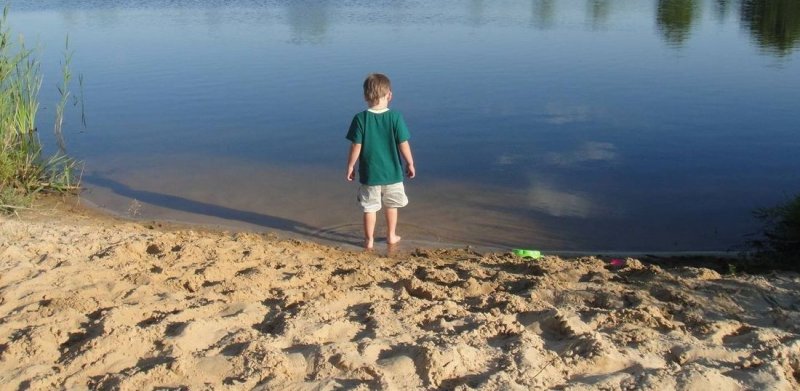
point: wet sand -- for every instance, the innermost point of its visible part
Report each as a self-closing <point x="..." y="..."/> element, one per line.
<point x="94" y="302"/>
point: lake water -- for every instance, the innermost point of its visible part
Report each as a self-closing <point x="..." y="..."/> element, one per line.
<point x="619" y="125"/>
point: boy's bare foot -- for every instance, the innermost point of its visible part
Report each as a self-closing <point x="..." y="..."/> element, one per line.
<point x="368" y="244"/>
<point x="393" y="240"/>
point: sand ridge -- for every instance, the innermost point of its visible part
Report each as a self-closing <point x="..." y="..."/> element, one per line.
<point x="92" y="303"/>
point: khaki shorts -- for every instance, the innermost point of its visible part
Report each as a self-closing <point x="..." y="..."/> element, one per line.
<point x="391" y="196"/>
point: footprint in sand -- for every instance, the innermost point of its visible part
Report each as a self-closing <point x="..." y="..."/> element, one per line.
<point x="235" y="349"/>
<point x="156" y="318"/>
<point x="75" y="343"/>
<point x="175" y="329"/>
<point x="247" y="272"/>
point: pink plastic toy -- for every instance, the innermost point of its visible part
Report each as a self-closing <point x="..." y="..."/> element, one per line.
<point x="616" y="262"/>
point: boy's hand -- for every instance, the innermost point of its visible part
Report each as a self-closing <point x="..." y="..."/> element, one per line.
<point x="355" y="151"/>
<point x="405" y="151"/>
<point x="411" y="172"/>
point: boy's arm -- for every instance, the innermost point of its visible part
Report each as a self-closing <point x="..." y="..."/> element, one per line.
<point x="405" y="152"/>
<point x="355" y="150"/>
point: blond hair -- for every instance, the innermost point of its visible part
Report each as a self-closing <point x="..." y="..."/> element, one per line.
<point x="376" y="86"/>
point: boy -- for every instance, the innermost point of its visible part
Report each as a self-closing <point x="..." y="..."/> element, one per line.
<point x="379" y="138"/>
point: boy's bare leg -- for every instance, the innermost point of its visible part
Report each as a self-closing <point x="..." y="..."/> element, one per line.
<point x="369" y="229"/>
<point x="391" y="226"/>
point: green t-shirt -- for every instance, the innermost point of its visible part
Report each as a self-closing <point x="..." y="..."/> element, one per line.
<point x="379" y="134"/>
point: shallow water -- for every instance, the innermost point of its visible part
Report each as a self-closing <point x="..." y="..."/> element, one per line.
<point x="569" y="125"/>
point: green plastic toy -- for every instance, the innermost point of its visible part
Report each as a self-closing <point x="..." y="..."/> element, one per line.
<point x="524" y="253"/>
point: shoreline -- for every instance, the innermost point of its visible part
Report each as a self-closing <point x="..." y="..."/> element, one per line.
<point x="93" y="302"/>
<point x="409" y="245"/>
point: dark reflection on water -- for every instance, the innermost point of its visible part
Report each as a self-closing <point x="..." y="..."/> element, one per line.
<point x="592" y="123"/>
<point x="543" y="13"/>
<point x="722" y="9"/>
<point x="600" y="11"/>
<point x="775" y="24"/>
<point x="675" y="18"/>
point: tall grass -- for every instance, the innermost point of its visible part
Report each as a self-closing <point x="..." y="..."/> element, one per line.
<point x="24" y="171"/>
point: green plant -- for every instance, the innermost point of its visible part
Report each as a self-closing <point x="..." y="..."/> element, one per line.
<point x="63" y="92"/>
<point x="11" y="200"/>
<point x="24" y="172"/>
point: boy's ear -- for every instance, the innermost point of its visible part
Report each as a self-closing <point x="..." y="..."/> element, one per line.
<point x="389" y="96"/>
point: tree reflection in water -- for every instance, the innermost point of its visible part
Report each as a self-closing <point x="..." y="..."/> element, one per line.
<point x="599" y="12"/>
<point x="774" y="24"/>
<point x="675" y="18"/>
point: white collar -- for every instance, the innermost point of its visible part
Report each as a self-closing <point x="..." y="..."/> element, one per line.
<point x="380" y="111"/>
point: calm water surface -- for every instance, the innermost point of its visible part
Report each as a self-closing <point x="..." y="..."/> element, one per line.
<point x="561" y="125"/>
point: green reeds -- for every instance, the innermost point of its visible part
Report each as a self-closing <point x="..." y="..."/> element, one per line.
<point x="24" y="172"/>
<point x="63" y="92"/>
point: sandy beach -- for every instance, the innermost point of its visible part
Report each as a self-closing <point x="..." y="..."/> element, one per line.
<point x="94" y="302"/>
